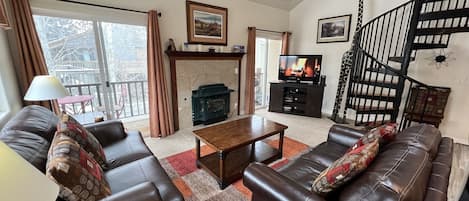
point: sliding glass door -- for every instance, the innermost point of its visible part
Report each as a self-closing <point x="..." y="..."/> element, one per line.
<point x="104" y="60"/>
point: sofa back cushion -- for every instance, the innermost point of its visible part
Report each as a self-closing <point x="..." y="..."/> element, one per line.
<point x="423" y="136"/>
<point x="400" y="172"/>
<point x="34" y="119"/>
<point x="30" y="146"/>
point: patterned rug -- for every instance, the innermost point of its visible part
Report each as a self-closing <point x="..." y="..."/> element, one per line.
<point x="197" y="185"/>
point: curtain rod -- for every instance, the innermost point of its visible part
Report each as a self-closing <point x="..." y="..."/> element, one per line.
<point x="270" y="31"/>
<point x="104" y="6"/>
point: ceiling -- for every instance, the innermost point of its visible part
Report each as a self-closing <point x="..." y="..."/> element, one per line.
<point x="282" y="4"/>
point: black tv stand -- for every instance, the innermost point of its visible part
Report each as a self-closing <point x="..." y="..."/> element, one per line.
<point x="296" y="98"/>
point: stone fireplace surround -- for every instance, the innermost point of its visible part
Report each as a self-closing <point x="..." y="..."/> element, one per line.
<point x="188" y="72"/>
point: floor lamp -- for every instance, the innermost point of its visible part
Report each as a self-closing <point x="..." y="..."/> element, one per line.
<point x="45" y="88"/>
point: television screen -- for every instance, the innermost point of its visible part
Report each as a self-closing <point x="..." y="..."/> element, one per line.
<point x="300" y="67"/>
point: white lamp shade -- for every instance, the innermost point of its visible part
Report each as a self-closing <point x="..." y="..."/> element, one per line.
<point x="45" y="87"/>
<point x="21" y="181"/>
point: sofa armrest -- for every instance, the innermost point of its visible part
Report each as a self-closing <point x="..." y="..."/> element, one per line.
<point x="107" y="132"/>
<point x="267" y="184"/>
<point x="344" y="135"/>
<point x="142" y="192"/>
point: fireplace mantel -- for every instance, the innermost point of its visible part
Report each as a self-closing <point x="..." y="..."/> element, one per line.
<point x="189" y="55"/>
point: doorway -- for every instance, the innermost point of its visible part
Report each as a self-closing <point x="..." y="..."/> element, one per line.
<point x="268" y="50"/>
<point x="104" y="61"/>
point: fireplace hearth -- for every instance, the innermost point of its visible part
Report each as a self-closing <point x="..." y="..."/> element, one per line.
<point x="210" y="104"/>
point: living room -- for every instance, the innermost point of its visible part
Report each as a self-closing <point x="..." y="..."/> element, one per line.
<point x="206" y="86"/>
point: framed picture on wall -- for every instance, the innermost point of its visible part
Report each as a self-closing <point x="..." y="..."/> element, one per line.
<point x="206" y="24"/>
<point x="3" y="15"/>
<point x="334" y="29"/>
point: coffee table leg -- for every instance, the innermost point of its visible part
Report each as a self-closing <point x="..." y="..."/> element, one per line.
<point x="280" y="143"/>
<point x="222" y="156"/>
<point x="197" y="152"/>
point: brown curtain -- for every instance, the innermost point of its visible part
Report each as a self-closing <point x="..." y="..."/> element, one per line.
<point x="161" y="118"/>
<point x="250" y="72"/>
<point x="285" y="42"/>
<point x="31" y="59"/>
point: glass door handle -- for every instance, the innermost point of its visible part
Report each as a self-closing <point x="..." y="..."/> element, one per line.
<point x="108" y="84"/>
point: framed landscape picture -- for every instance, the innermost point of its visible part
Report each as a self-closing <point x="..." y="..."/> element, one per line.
<point x="334" y="29"/>
<point x="3" y="16"/>
<point x="206" y="24"/>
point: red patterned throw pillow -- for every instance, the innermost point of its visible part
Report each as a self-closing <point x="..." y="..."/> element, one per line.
<point x="70" y="127"/>
<point x="79" y="176"/>
<point x="384" y="134"/>
<point x="345" y="168"/>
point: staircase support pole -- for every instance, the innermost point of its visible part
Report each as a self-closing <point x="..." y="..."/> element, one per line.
<point x="407" y="54"/>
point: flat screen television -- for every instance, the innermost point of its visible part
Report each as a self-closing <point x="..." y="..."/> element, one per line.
<point x="300" y="68"/>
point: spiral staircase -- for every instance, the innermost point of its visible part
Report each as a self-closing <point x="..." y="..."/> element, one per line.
<point x="378" y="85"/>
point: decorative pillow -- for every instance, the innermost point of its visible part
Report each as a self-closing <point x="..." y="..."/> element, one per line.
<point x="384" y="134"/>
<point x="79" y="176"/>
<point x="345" y="168"/>
<point x="70" y="127"/>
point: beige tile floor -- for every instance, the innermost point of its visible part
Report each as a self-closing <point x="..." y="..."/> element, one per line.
<point x="310" y="131"/>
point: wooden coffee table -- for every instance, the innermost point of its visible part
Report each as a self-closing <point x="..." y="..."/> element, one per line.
<point x="237" y="143"/>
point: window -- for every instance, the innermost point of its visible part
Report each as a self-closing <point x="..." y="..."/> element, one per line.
<point x="102" y="59"/>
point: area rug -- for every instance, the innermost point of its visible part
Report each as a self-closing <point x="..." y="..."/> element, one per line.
<point x="197" y="185"/>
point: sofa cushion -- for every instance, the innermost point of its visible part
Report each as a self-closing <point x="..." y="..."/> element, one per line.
<point x="344" y="135"/>
<point x="384" y="134"/>
<point x="144" y="170"/>
<point x="30" y="146"/>
<point x="424" y="136"/>
<point x="70" y="127"/>
<point x="34" y="119"/>
<point x="400" y="172"/>
<point x="78" y="175"/>
<point x="346" y="168"/>
<point x="437" y="187"/>
<point x="301" y="171"/>
<point x="127" y="150"/>
<point x="325" y="153"/>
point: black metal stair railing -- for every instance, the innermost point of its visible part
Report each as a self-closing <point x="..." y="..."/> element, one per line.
<point x="412" y="110"/>
<point x="379" y="89"/>
<point x="373" y="90"/>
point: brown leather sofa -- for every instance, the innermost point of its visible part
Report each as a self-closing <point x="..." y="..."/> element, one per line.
<point x="415" y="166"/>
<point x="134" y="174"/>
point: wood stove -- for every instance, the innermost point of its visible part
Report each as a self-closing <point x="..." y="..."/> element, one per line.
<point x="210" y="104"/>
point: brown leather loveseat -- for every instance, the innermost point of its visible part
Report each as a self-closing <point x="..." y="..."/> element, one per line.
<point x="414" y="167"/>
<point x="134" y="172"/>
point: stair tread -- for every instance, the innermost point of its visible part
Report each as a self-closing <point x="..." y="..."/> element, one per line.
<point x="422" y="46"/>
<point x="376" y="94"/>
<point x="429" y="1"/>
<point x="438" y="31"/>
<point x="399" y="59"/>
<point x="366" y="108"/>
<point x="382" y="70"/>
<point x="445" y="14"/>
<point x="379" y="83"/>
<point x="372" y="124"/>
<point x="378" y="97"/>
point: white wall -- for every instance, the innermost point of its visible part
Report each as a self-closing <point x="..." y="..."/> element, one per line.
<point x="10" y="101"/>
<point x="241" y="15"/>
<point x="453" y="74"/>
<point x="303" y="24"/>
